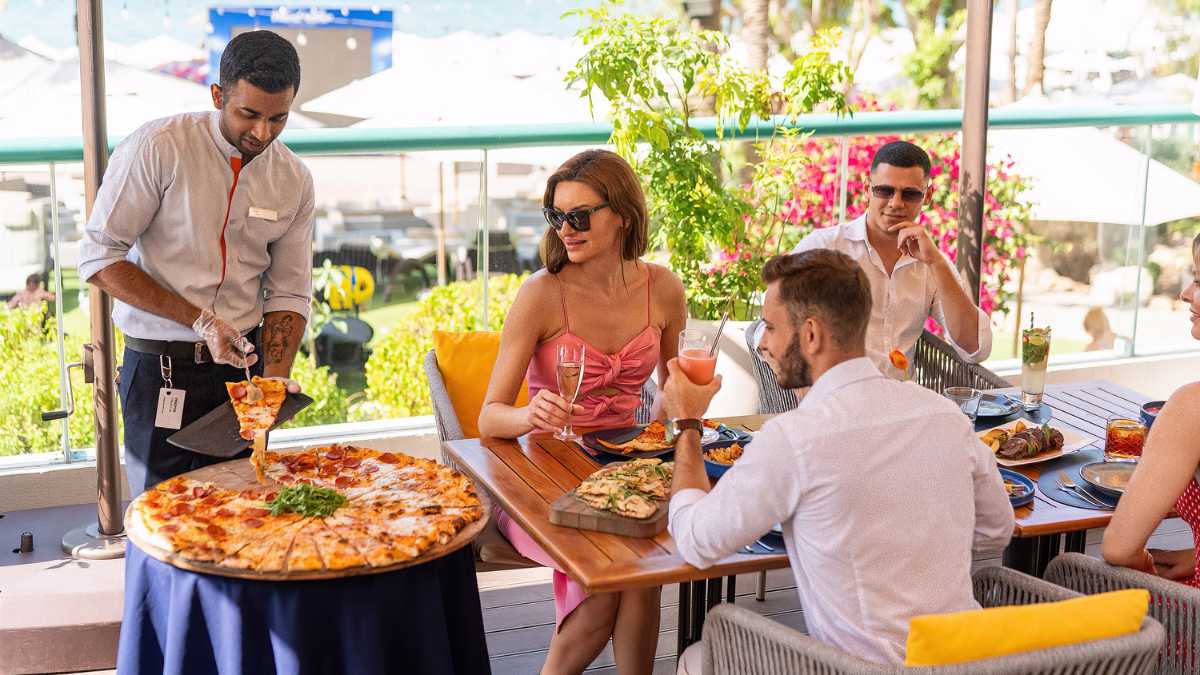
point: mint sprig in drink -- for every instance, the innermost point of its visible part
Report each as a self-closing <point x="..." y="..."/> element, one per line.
<point x="1035" y="352"/>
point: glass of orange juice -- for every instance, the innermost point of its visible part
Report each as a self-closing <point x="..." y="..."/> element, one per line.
<point x="694" y="358"/>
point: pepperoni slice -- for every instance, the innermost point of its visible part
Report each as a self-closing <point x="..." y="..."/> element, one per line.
<point x="343" y="481"/>
<point x="255" y="513"/>
<point x="371" y="468"/>
<point x="250" y="494"/>
<point x="215" y="530"/>
<point x="351" y="462"/>
<point x="225" y="513"/>
<point x="329" y="470"/>
<point x="238" y="391"/>
<point x="178" y="488"/>
<point x="169" y="528"/>
<point x="253" y="522"/>
<point x="270" y="496"/>
<point x="180" y="508"/>
<point x="335" y="454"/>
<point x="389" y="458"/>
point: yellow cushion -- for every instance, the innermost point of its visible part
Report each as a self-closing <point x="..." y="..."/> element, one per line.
<point x="944" y="639"/>
<point x="466" y="360"/>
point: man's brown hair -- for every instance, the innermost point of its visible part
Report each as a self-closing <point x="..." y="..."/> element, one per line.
<point x="614" y="180"/>
<point x="826" y="284"/>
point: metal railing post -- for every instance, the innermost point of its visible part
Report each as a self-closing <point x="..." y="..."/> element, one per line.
<point x="64" y="387"/>
<point x="1141" y="242"/>
<point x="485" y="243"/>
<point x="973" y="175"/>
<point x="102" y="540"/>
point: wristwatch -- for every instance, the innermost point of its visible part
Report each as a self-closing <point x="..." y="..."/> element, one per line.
<point x="680" y="426"/>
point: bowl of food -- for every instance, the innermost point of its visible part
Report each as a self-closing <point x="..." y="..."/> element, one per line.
<point x="1019" y="487"/>
<point x="718" y="457"/>
<point x="1110" y="478"/>
<point x="1150" y="412"/>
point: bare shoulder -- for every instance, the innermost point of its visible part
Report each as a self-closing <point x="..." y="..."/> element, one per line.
<point x="1182" y="405"/>
<point x="667" y="286"/>
<point x="538" y="291"/>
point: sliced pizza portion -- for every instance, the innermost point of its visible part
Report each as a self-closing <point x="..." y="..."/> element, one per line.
<point x="337" y="551"/>
<point x="304" y="555"/>
<point x="259" y="415"/>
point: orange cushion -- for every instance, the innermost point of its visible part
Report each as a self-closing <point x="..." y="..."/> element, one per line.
<point x="465" y="361"/>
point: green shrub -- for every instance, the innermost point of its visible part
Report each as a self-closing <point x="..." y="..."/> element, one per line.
<point x="29" y="384"/>
<point x="330" y="402"/>
<point x="396" y="385"/>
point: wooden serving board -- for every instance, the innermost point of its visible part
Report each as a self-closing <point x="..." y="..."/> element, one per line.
<point x="239" y="475"/>
<point x="570" y="512"/>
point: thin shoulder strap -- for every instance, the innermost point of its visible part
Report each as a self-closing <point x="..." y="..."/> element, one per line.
<point x="562" y="298"/>
<point x="649" y="279"/>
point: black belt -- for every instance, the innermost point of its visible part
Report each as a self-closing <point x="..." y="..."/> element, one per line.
<point x="196" y="352"/>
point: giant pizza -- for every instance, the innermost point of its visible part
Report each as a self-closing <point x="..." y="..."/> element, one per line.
<point x="321" y="512"/>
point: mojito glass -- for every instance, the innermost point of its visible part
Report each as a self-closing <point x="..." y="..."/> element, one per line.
<point x="1035" y="352"/>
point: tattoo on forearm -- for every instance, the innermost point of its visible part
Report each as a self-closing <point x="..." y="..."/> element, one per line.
<point x="275" y="342"/>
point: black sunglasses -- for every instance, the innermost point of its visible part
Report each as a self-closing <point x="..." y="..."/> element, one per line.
<point x="580" y="219"/>
<point x="909" y="195"/>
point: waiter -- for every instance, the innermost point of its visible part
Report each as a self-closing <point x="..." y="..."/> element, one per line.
<point x="202" y="232"/>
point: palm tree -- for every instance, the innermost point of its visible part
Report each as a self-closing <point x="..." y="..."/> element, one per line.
<point x="1036" y="69"/>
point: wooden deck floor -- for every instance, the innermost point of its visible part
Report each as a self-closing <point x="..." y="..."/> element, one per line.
<point x="518" y="609"/>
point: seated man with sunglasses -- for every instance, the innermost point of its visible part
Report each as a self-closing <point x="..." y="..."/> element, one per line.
<point x="911" y="279"/>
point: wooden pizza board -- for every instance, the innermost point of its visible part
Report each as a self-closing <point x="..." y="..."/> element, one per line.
<point x="570" y="512"/>
<point x="239" y="475"/>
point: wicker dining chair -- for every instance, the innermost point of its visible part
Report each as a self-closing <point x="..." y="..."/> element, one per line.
<point x="935" y="366"/>
<point x="740" y="642"/>
<point x="1176" y="606"/>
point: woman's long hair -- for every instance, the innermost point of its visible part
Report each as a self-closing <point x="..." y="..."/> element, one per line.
<point x="616" y="183"/>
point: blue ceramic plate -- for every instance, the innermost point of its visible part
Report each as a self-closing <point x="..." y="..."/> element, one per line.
<point x="1020" y="479"/>
<point x="997" y="405"/>
<point x="717" y="469"/>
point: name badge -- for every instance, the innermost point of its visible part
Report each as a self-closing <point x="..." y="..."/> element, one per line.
<point x="265" y="214"/>
<point x="170" y="408"/>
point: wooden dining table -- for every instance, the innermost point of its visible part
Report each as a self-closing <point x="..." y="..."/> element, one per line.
<point x="1084" y="407"/>
<point x="525" y="475"/>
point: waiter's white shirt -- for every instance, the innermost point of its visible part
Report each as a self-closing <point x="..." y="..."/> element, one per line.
<point x="900" y="302"/>
<point x="162" y="206"/>
<point x="883" y="491"/>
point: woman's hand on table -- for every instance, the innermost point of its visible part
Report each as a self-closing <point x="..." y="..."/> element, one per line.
<point x="1174" y="565"/>
<point x="547" y="411"/>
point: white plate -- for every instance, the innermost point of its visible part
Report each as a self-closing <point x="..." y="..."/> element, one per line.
<point x="1073" y="441"/>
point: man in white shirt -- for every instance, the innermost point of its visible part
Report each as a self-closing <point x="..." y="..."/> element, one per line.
<point x="881" y="487"/>
<point x="202" y="232"/>
<point x="911" y="279"/>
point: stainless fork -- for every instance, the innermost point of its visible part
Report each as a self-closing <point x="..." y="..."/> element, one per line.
<point x="1067" y="485"/>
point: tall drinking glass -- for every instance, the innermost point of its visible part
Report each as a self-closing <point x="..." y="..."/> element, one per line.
<point x="694" y="359"/>
<point x="1035" y="352"/>
<point x="569" y="369"/>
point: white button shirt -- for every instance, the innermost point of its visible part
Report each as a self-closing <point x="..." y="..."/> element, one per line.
<point x="883" y="491"/>
<point x="900" y="302"/>
<point x="162" y="206"/>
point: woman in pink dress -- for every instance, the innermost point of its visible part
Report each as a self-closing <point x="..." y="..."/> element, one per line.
<point x="595" y="292"/>
<point x="1166" y="477"/>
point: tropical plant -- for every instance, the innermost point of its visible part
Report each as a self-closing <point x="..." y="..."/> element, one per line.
<point x="654" y="73"/>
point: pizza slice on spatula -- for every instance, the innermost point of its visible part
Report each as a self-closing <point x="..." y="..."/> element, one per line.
<point x="255" y="417"/>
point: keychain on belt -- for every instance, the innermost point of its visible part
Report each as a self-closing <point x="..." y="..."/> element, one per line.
<point x="170" y="399"/>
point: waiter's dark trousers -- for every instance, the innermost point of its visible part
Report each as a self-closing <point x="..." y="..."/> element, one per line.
<point x="149" y="458"/>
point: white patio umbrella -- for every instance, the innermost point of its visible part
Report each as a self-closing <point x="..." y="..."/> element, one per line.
<point x="134" y="97"/>
<point x="1087" y="175"/>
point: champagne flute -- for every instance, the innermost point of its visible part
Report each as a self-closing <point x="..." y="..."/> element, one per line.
<point x="569" y="369"/>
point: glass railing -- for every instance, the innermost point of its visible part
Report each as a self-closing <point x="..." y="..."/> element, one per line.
<point x="1110" y="204"/>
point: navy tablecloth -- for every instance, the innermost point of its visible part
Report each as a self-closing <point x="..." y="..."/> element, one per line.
<point x="424" y="619"/>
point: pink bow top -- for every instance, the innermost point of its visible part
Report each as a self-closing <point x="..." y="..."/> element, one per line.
<point x="619" y="375"/>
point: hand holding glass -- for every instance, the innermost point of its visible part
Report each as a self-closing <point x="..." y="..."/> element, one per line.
<point x="569" y="369"/>
<point x="694" y="358"/>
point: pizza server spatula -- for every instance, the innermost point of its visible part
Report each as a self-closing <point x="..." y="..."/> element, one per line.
<point x="216" y="433"/>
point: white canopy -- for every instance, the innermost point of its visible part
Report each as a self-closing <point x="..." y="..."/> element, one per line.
<point x="1087" y="175"/>
<point x="41" y="97"/>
